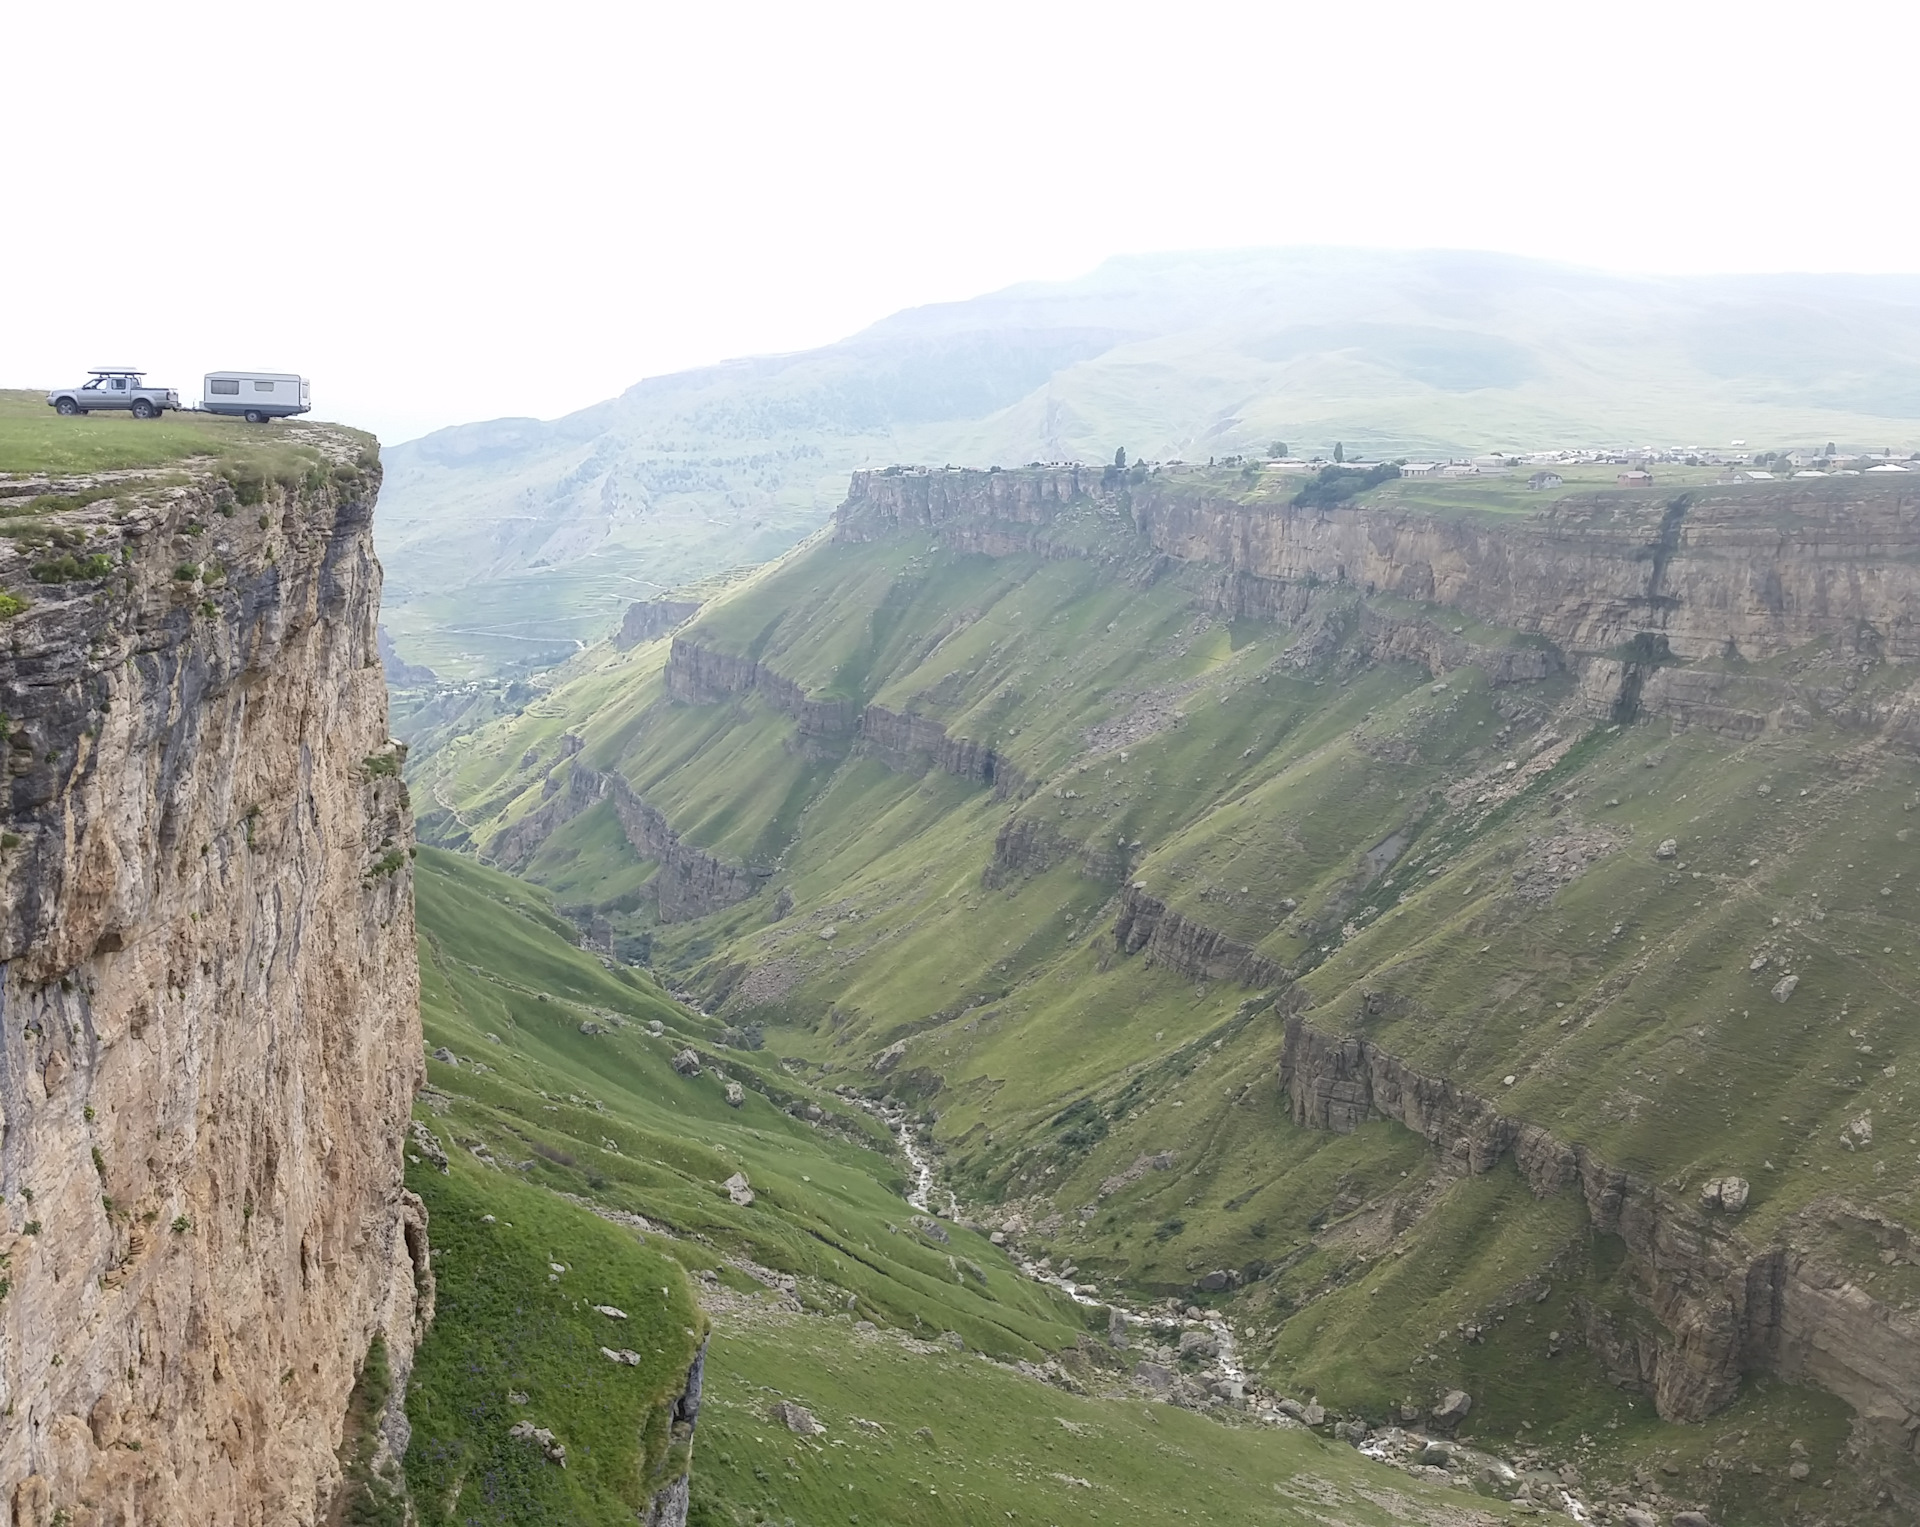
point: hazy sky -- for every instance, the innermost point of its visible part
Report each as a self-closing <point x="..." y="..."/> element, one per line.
<point x="446" y="212"/>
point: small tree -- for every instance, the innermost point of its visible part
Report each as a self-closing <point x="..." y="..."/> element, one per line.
<point x="1339" y="451"/>
<point x="1277" y="449"/>
<point x="1120" y="457"/>
<point x="1829" y="451"/>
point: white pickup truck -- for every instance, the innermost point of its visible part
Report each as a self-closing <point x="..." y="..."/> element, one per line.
<point x="114" y="387"/>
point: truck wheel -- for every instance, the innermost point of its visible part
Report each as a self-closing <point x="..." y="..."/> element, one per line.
<point x="66" y="406"/>
<point x="142" y="409"/>
<point x="254" y="416"/>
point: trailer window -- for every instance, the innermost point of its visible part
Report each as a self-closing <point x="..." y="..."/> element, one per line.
<point x="263" y="387"/>
<point x="226" y="389"/>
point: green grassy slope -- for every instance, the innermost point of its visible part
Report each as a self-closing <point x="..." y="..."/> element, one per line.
<point x="1630" y="999"/>
<point x="917" y="1430"/>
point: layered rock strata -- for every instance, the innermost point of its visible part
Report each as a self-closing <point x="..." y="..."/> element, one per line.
<point x="913" y="744"/>
<point x="1148" y="925"/>
<point x="689" y="882"/>
<point x="1724" y="1307"/>
<point x="904" y="743"/>
<point x="209" y="1029"/>
<point x="1735" y="571"/>
<point x="700" y="675"/>
<point x="651" y="619"/>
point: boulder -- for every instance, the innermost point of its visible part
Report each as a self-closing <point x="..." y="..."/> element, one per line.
<point x="1691" y="1519"/>
<point x="1633" y="1516"/>
<point x="687" y="1063"/>
<point x="955" y="1340"/>
<point x="1314" y="1415"/>
<point x="1453" y="1409"/>
<point x="540" y="1437"/>
<point x="1783" y="988"/>
<point x="1154" y="1376"/>
<point x="1667" y="849"/>
<point x="656" y="1028"/>
<point x="795" y="1418"/>
<point x="1217" y="1281"/>
<point x="610" y="1311"/>
<point x="738" y="1190"/>
<point x="888" y="1058"/>
<point x="1198" y="1344"/>
<point x="631" y="1359"/>
<point x="1728" y="1193"/>
<point x="1292" y="1408"/>
<point x="735" y="1094"/>
<point x="1117" y="1328"/>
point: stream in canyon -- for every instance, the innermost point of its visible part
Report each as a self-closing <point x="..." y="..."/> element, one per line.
<point x="1396" y="1447"/>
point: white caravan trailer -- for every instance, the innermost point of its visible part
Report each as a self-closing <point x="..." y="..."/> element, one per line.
<point x="256" y="396"/>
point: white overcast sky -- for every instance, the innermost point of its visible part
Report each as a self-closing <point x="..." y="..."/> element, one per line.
<point x="444" y="212"/>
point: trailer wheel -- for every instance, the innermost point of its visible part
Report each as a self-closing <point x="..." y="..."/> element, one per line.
<point x="142" y="409"/>
<point x="66" y="406"/>
<point x="254" y="416"/>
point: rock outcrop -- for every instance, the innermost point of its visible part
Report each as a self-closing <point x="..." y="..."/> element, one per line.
<point x="700" y="675"/>
<point x="1724" y="1308"/>
<point x="650" y="619"/>
<point x="689" y="881"/>
<point x="209" y="1029"/>
<point x="1146" y="924"/>
<point x="910" y="744"/>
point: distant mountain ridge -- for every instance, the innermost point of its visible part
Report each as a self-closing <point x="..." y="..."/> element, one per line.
<point x="509" y="541"/>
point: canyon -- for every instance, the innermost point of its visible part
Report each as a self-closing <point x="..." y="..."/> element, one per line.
<point x="1477" y="847"/>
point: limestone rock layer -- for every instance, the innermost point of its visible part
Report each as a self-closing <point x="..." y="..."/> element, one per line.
<point x="209" y="1026"/>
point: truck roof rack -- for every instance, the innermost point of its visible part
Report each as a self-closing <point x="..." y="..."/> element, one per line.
<point x="114" y="371"/>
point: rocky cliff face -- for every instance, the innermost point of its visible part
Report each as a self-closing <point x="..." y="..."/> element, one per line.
<point x="1146" y="924"/>
<point x="909" y="744"/>
<point x="1746" y="571"/>
<point x="689" y="883"/>
<point x="209" y="1035"/>
<point x="701" y="675"/>
<point x="653" y="618"/>
<point x="1724" y="1307"/>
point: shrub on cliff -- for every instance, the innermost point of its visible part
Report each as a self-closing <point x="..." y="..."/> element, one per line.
<point x="68" y="568"/>
<point x="1336" y="484"/>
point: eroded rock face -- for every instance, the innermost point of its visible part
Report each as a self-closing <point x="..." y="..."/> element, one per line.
<point x="1695" y="576"/>
<point x="1724" y="1307"/>
<point x="209" y="1028"/>
<point x="700" y="675"/>
<point x="653" y="618"/>
<point x="912" y="744"/>
<point x="1194" y="950"/>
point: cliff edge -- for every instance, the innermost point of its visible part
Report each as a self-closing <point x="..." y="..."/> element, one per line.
<point x="209" y="1028"/>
